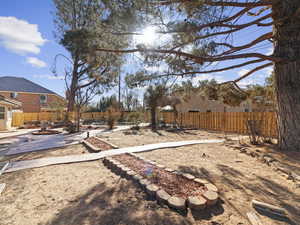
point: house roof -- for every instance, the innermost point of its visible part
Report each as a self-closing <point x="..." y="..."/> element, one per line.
<point x="20" y="84"/>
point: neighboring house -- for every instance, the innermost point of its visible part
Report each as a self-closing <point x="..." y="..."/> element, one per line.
<point x="199" y="103"/>
<point x="6" y="107"/>
<point x="34" y="98"/>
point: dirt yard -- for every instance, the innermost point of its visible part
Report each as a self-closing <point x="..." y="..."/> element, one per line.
<point x="88" y="193"/>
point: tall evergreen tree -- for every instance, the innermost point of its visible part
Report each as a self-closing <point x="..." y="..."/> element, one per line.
<point x="81" y="27"/>
<point x="204" y="32"/>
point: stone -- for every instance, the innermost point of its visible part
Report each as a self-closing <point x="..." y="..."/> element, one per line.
<point x="144" y="183"/>
<point x="162" y="196"/>
<point x="201" y="181"/>
<point x="117" y="168"/>
<point x="211" y="187"/>
<point x="169" y="170"/>
<point x="151" y="190"/>
<point x="130" y="174"/>
<point x="197" y="203"/>
<point x="160" y="166"/>
<point x="177" y="172"/>
<point x="188" y="176"/>
<point x="177" y="203"/>
<point x="211" y="197"/>
<point x="136" y="178"/>
<point x="124" y="171"/>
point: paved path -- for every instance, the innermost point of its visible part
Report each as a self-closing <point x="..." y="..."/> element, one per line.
<point x="44" y="142"/>
<point x="9" y="134"/>
<point x="28" y="164"/>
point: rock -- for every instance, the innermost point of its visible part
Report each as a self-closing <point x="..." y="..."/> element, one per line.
<point x="124" y="171"/>
<point x="201" y="181"/>
<point x="117" y="168"/>
<point x="188" y="176"/>
<point x="243" y="150"/>
<point x="211" y="187"/>
<point x="162" y="196"/>
<point x="169" y="170"/>
<point x="177" y="203"/>
<point x="136" y="178"/>
<point x="130" y="174"/>
<point x="197" y="203"/>
<point x="144" y="183"/>
<point x="151" y="190"/>
<point x="211" y="197"/>
<point x="160" y="166"/>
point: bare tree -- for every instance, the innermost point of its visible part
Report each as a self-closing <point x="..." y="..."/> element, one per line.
<point x="82" y="99"/>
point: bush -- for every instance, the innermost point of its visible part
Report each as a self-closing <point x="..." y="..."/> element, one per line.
<point x="113" y="116"/>
<point x="135" y="117"/>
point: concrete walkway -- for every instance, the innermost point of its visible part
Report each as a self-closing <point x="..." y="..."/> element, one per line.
<point x="14" y="133"/>
<point x="45" y="142"/>
<point x="29" y="164"/>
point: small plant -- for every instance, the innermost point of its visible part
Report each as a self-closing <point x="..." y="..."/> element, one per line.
<point x="254" y="131"/>
<point x="135" y="117"/>
<point x="112" y="117"/>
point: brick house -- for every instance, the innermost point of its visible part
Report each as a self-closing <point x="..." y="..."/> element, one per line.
<point x="34" y="98"/>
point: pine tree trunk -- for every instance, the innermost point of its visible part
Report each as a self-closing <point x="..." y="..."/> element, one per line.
<point x="72" y="89"/>
<point x="286" y="15"/>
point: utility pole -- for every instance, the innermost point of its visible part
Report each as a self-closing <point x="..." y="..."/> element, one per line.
<point x="119" y="89"/>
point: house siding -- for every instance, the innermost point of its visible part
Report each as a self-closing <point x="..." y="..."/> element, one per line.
<point x="202" y="104"/>
<point x="31" y="101"/>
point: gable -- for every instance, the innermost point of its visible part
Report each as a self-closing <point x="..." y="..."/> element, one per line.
<point x="19" y="84"/>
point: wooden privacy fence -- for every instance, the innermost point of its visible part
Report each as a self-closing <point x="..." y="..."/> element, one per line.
<point x="218" y="121"/>
<point x="20" y="118"/>
<point x="235" y="122"/>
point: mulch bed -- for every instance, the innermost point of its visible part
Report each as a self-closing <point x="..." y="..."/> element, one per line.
<point x="173" y="184"/>
<point x="99" y="144"/>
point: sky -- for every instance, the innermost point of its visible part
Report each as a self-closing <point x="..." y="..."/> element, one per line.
<point x="27" y="43"/>
<point x="28" y="46"/>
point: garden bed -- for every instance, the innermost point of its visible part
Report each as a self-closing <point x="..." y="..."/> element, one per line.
<point x="177" y="190"/>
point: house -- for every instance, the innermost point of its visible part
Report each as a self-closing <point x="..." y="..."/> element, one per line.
<point x="34" y="98"/>
<point x="6" y="108"/>
<point x="199" y="103"/>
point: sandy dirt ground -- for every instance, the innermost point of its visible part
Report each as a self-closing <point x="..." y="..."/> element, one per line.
<point x="88" y="193"/>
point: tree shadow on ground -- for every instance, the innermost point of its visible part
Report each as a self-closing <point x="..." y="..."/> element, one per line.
<point x="258" y="187"/>
<point x="103" y="205"/>
<point x="281" y="196"/>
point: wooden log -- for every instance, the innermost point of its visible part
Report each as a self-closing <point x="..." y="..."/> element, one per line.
<point x="2" y="187"/>
<point x="253" y="218"/>
<point x="269" y="208"/>
<point x="4" y="168"/>
<point x="90" y="146"/>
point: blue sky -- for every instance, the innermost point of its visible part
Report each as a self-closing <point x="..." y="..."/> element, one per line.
<point x="27" y="44"/>
<point x="28" y="47"/>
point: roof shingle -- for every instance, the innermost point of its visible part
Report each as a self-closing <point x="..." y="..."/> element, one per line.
<point x="19" y="84"/>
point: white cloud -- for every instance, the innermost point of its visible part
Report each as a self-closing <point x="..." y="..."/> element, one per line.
<point x="36" y="62"/>
<point x="50" y="77"/>
<point x="19" y="36"/>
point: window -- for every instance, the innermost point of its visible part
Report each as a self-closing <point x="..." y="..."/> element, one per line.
<point x="43" y="98"/>
<point x="2" y="113"/>
<point x="13" y="95"/>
